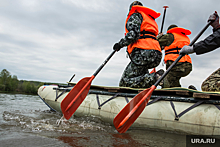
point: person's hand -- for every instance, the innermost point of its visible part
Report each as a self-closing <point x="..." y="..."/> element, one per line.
<point x="215" y="22"/>
<point x="186" y="50"/>
<point x="116" y="47"/>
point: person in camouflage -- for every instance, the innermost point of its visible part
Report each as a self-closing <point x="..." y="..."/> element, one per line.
<point x="212" y="42"/>
<point x="172" y="47"/>
<point x="142" y="47"/>
<point x="212" y="83"/>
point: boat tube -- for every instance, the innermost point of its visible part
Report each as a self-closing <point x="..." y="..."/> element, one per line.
<point x="172" y="109"/>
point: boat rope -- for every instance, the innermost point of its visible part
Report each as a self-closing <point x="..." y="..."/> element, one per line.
<point x="154" y="97"/>
<point x="173" y="106"/>
<point x="153" y="101"/>
<point x="166" y="98"/>
<point x="127" y="100"/>
<point x="177" y="116"/>
<point x="185" y="111"/>
<point x="57" y="96"/>
<point x="97" y="97"/>
<point x="51" y="109"/>
<point x="217" y="106"/>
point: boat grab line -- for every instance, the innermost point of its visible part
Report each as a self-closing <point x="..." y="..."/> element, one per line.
<point x="185" y="111"/>
<point x="57" y="96"/>
<point x="153" y="101"/>
<point x="217" y="106"/>
<point x="127" y="100"/>
<point x="105" y="101"/>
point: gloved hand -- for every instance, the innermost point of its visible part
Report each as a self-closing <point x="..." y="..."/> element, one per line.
<point x="215" y="23"/>
<point x="186" y="50"/>
<point x="116" y="47"/>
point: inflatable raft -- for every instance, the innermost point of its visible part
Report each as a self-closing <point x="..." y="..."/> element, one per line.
<point x="175" y="109"/>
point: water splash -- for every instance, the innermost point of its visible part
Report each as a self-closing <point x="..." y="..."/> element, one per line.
<point x="41" y="121"/>
<point x="61" y="121"/>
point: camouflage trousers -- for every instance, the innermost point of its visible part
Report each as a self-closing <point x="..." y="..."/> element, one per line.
<point x="181" y="69"/>
<point x="136" y="74"/>
<point x="212" y="83"/>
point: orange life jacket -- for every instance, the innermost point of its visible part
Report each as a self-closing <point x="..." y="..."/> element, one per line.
<point x="180" y="39"/>
<point x="148" y="29"/>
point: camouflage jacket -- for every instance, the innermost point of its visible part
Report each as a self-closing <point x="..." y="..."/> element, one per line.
<point x="165" y="40"/>
<point x="133" y="26"/>
<point x="212" y="42"/>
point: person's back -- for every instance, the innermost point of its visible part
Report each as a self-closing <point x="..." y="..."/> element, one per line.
<point x="172" y="42"/>
<point x="142" y="47"/>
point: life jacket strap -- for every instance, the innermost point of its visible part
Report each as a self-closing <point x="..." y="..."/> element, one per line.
<point x="172" y="51"/>
<point x="146" y="34"/>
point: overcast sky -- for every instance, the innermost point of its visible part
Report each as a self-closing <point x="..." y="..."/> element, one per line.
<point x="50" y="40"/>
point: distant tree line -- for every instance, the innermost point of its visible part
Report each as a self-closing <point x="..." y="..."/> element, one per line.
<point x="11" y="84"/>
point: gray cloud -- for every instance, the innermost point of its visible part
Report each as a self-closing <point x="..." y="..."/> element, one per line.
<point x="51" y="40"/>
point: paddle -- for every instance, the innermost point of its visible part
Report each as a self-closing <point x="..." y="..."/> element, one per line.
<point x="134" y="108"/>
<point x="79" y="92"/>
<point x="164" y="13"/>
<point x="161" y="30"/>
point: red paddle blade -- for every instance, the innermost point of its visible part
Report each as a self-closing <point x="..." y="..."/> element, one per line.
<point x="75" y="97"/>
<point x="132" y="110"/>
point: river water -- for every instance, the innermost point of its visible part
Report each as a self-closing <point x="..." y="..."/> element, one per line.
<point x="26" y="121"/>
